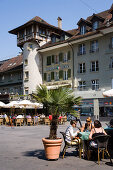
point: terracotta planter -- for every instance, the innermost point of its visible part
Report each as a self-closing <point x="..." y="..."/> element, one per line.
<point x="52" y="148"/>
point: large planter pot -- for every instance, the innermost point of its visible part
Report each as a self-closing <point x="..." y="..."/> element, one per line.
<point x="52" y="147"/>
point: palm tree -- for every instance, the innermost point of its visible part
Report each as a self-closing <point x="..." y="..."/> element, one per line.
<point x="56" y="101"/>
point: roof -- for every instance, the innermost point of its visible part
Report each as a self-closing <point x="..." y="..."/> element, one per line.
<point x="73" y="31"/>
<point x="104" y="16"/>
<point x="11" y="63"/>
<point x="38" y="20"/>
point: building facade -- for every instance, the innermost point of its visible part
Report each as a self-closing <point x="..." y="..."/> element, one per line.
<point x="11" y="76"/>
<point x="81" y="58"/>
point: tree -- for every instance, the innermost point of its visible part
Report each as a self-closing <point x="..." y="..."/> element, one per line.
<point x="56" y="101"/>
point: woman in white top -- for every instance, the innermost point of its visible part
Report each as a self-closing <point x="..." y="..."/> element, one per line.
<point x="70" y="134"/>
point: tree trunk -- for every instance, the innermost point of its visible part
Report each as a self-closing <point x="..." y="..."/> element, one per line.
<point x="53" y="127"/>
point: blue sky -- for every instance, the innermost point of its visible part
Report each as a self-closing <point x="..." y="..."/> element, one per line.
<point x="14" y="13"/>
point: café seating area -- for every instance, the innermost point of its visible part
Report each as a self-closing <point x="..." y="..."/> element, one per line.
<point x="27" y="120"/>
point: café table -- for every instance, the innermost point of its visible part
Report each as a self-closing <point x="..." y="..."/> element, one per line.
<point x="84" y="136"/>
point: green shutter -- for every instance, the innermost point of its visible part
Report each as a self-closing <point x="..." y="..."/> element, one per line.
<point x="61" y="74"/>
<point x="52" y="58"/>
<point x="48" y="60"/>
<point x="68" y="55"/>
<point x="52" y="75"/>
<point x="45" y="75"/>
<point x="60" y="57"/>
<point x="69" y="73"/>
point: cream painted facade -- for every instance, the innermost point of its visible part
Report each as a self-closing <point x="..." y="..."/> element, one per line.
<point x="57" y="66"/>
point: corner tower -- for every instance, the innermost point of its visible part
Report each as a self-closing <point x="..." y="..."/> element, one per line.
<point x="30" y="37"/>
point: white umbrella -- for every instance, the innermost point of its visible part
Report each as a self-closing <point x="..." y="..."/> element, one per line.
<point x="2" y="104"/>
<point x="29" y="104"/>
<point x="108" y="93"/>
<point x="12" y="104"/>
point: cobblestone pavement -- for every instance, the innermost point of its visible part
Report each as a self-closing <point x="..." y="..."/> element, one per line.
<point x="21" y="148"/>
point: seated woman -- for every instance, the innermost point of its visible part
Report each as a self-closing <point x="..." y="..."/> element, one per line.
<point x="70" y="134"/>
<point x="87" y="126"/>
<point x="96" y="131"/>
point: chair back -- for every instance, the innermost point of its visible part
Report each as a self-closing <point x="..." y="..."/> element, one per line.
<point x="64" y="135"/>
<point x="101" y="140"/>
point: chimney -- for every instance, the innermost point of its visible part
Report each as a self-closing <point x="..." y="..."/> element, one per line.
<point x="59" y="22"/>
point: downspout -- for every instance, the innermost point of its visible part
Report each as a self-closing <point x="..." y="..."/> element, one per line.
<point x="73" y="76"/>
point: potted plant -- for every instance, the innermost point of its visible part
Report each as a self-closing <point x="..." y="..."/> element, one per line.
<point x="55" y="101"/>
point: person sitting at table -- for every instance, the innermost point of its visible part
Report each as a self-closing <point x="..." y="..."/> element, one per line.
<point x="87" y="126"/>
<point x="70" y="134"/>
<point x="96" y="131"/>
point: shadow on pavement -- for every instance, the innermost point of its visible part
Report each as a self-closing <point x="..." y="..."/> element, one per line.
<point x="40" y="154"/>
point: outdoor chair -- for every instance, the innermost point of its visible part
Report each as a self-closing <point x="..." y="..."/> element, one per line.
<point x="18" y="122"/>
<point x="67" y="145"/>
<point x="102" y="143"/>
<point x="29" y="121"/>
<point x="1" y="121"/>
<point x="46" y="121"/>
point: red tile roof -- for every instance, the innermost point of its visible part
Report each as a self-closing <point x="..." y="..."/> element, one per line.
<point x="11" y="63"/>
<point x="38" y="20"/>
<point x="105" y="15"/>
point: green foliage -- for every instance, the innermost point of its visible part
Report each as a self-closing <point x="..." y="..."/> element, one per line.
<point x="56" y="101"/>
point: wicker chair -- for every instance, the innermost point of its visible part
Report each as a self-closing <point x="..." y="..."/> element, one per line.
<point x="67" y="145"/>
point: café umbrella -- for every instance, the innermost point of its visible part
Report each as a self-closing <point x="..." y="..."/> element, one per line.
<point x="2" y="104"/>
<point x="108" y="93"/>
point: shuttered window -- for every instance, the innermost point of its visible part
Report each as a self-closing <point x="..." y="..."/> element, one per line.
<point x="52" y="75"/>
<point x="52" y="58"/>
<point x="60" y="57"/>
<point x="61" y="74"/>
<point x="69" y="55"/>
<point x="45" y="76"/>
<point x="48" y="60"/>
<point x="69" y="73"/>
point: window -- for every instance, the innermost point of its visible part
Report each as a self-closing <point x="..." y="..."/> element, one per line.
<point x="69" y="55"/>
<point x="81" y="49"/>
<point x="11" y="76"/>
<point x="56" y="59"/>
<point x="95" y="25"/>
<point x="48" y="77"/>
<point x="111" y="43"/>
<point x="21" y="34"/>
<point x="26" y="90"/>
<point x="28" y="31"/>
<point x="82" y="85"/>
<point x="82" y="68"/>
<point x="56" y="76"/>
<point x="65" y="76"/>
<point x="48" y="32"/>
<point x="94" y="66"/>
<point x="95" y="84"/>
<point x="94" y="46"/>
<point x="25" y="62"/>
<point x="26" y="75"/>
<point x="111" y="62"/>
<point x="112" y="83"/>
<point x="40" y="31"/>
<point x="2" y="78"/>
<point x="45" y="75"/>
<point x="48" y="60"/>
<point x="53" y="39"/>
<point x="82" y="29"/>
<point x="65" y="58"/>
<point x="20" y="76"/>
